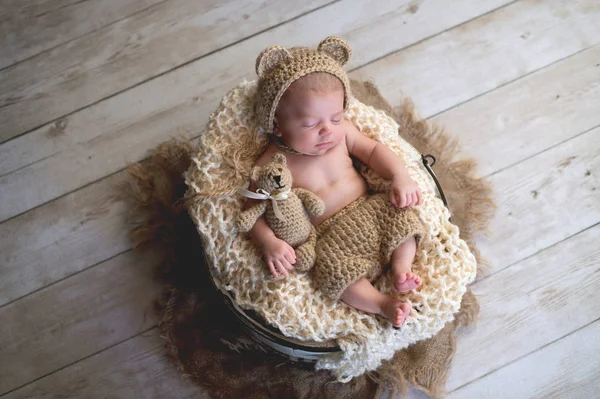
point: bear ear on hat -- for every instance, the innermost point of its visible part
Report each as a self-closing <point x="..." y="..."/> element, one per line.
<point x="269" y="58"/>
<point x="280" y="158"/>
<point x="337" y="48"/>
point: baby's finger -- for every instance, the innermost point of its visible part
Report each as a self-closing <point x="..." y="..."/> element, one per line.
<point x="393" y="197"/>
<point x="287" y="265"/>
<point x="413" y="199"/>
<point x="292" y="254"/>
<point x="272" y="269"/>
<point x="289" y="258"/>
<point x="404" y="201"/>
<point x="281" y="268"/>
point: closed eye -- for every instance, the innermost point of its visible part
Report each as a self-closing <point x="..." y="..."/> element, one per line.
<point x="335" y="122"/>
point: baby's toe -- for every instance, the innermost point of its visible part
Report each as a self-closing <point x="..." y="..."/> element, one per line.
<point x="405" y="307"/>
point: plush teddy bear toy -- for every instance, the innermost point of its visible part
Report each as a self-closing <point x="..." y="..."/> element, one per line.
<point x="285" y="209"/>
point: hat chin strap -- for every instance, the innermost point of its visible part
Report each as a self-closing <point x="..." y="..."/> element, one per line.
<point x="281" y="144"/>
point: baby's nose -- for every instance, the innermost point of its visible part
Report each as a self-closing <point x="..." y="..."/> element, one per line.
<point x="326" y="129"/>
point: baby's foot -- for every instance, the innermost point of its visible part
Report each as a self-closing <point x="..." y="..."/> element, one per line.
<point x="395" y="311"/>
<point x="405" y="281"/>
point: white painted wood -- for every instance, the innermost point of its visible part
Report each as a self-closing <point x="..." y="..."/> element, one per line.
<point x="543" y="200"/>
<point x="529" y="305"/>
<point x="124" y="127"/>
<point x="68" y="235"/>
<point x="29" y="27"/>
<point x="529" y="115"/>
<point x="136" y="368"/>
<point x="75" y="318"/>
<point x="126" y="53"/>
<point x="13" y="156"/>
<point x="567" y="368"/>
<point x="499" y="47"/>
<point x="416" y="394"/>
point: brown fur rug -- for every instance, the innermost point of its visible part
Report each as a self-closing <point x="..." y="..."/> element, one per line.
<point x="206" y="341"/>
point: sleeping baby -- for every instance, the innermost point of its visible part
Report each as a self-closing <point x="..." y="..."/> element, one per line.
<point x="301" y="98"/>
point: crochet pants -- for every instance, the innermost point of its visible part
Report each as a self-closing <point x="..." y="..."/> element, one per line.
<point x="359" y="240"/>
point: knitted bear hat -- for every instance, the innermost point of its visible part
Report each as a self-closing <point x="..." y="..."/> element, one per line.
<point x="277" y="68"/>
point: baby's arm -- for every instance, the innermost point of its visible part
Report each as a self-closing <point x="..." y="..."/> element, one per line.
<point x="403" y="190"/>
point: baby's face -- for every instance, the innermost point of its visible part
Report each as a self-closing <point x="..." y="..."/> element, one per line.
<point x="311" y="122"/>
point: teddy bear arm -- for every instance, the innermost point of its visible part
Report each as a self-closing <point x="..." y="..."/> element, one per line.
<point x="247" y="219"/>
<point x="313" y="204"/>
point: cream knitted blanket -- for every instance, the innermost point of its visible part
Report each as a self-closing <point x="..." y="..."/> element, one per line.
<point x="224" y="157"/>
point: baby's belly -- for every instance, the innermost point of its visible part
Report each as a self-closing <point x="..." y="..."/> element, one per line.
<point x="339" y="195"/>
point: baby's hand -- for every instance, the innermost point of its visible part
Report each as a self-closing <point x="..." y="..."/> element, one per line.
<point x="404" y="192"/>
<point x="279" y="256"/>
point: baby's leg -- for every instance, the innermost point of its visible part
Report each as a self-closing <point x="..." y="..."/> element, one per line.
<point x="363" y="296"/>
<point x="402" y="257"/>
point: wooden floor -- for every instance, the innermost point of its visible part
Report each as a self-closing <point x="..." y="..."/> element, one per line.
<point x="86" y="86"/>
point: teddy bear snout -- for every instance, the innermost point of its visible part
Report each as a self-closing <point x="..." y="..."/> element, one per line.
<point x="277" y="179"/>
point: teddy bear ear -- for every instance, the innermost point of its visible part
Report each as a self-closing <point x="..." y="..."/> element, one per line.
<point x="269" y="58"/>
<point x="255" y="173"/>
<point x="337" y="48"/>
<point x="280" y="158"/>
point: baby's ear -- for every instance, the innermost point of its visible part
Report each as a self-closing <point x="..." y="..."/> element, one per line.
<point x="336" y="48"/>
<point x="280" y="159"/>
<point x="269" y="58"/>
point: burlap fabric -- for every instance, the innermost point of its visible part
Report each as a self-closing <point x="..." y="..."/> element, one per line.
<point x="207" y="343"/>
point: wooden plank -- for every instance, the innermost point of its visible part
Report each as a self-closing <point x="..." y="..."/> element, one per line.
<point x="136" y="368"/>
<point x="133" y="50"/>
<point x="568" y="368"/>
<point x="30" y="27"/>
<point x="127" y="125"/>
<point x="75" y="318"/>
<point x="529" y="115"/>
<point x="544" y="200"/>
<point x="529" y="305"/>
<point x="486" y="53"/>
<point x="13" y="156"/>
<point x="66" y="236"/>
